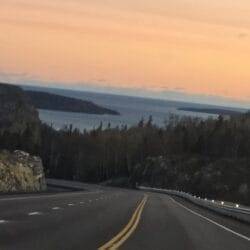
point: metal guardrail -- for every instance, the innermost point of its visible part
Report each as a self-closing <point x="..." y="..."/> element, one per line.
<point x="235" y="211"/>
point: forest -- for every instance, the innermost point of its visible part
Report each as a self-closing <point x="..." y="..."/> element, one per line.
<point x="209" y="158"/>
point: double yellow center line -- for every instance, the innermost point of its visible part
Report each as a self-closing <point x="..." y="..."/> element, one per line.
<point x="120" y="238"/>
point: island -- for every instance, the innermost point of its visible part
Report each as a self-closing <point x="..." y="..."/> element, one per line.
<point x="214" y="111"/>
<point x="48" y="101"/>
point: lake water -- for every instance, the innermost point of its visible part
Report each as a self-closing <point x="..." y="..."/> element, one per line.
<point x="132" y="110"/>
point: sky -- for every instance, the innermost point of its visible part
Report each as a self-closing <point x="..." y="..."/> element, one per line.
<point x="191" y="50"/>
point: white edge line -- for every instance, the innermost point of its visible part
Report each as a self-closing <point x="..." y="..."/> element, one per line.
<point x="211" y="221"/>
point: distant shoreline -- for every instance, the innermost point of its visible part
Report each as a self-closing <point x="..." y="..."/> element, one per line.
<point x="54" y="102"/>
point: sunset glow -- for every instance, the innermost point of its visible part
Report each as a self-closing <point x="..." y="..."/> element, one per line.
<point x="196" y="47"/>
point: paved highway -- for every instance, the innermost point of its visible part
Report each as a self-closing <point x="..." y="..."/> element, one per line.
<point x="106" y="218"/>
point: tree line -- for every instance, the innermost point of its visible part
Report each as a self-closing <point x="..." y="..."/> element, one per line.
<point x="207" y="157"/>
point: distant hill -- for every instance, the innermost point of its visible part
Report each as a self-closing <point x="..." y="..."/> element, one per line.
<point x="48" y="101"/>
<point x="17" y="114"/>
<point x="214" y="111"/>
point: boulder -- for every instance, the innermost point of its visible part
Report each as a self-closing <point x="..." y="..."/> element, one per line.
<point x="21" y="172"/>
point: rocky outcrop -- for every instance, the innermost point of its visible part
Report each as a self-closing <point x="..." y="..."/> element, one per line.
<point x="21" y="172"/>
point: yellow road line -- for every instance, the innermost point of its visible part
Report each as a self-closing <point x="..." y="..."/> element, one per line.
<point x="127" y="231"/>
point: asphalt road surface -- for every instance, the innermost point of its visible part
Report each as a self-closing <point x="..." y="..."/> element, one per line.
<point x="106" y="218"/>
